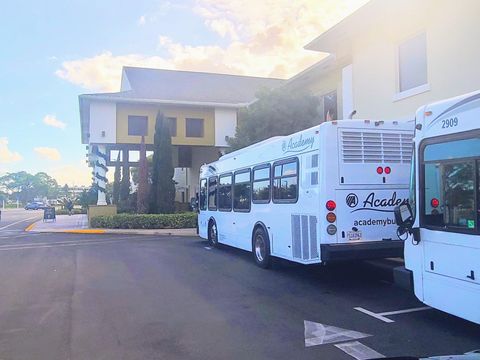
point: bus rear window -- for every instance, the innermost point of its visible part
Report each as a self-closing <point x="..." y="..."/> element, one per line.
<point x="450" y="185"/>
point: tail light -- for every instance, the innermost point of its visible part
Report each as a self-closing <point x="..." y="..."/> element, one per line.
<point x="379" y="170"/>
<point x="388" y="170"/>
<point x="435" y="202"/>
<point x="331" y="205"/>
<point x="331" y="217"/>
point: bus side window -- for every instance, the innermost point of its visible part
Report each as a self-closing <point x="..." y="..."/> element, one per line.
<point x="261" y="184"/>
<point x="225" y="192"/>
<point x="203" y="194"/>
<point x="212" y="193"/>
<point x="242" y="191"/>
<point x="285" y="181"/>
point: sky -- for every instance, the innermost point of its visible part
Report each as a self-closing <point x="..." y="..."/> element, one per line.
<point x="52" y="51"/>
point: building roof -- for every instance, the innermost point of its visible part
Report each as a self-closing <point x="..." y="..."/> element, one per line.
<point x="193" y="86"/>
<point x="189" y="88"/>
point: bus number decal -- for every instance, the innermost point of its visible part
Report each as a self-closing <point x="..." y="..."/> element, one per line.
<point x="448" y="123"/>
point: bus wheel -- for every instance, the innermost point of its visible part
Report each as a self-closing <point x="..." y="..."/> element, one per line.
<point x="261" y="248"/>
<point x="213" y="233"/>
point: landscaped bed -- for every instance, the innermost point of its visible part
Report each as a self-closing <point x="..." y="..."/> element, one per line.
<point x="146" y="221"/>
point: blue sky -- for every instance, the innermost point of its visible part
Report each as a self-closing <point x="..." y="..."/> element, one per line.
<point x="53" y="51"/>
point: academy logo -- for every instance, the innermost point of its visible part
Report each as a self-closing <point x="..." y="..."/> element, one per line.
<point x="351" y="200"/>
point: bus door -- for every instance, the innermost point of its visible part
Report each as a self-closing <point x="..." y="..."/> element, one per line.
<point x="450" y="211"/>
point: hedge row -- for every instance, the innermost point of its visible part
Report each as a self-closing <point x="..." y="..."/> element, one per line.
<point x="146" y="221"/>
<point x="74" y="211"/>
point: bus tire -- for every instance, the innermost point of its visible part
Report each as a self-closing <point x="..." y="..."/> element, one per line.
<point x="261" y="248"/>
<point x="212" y="233"/>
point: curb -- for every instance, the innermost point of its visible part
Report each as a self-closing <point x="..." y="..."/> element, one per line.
<point x="116" y="231"/>
<point x="30" y="227"/>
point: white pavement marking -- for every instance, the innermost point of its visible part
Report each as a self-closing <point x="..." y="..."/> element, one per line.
<point x="382" y="316"/>
<point x="406" y="311"/>
<point x="18" y="222"/>
<point x="320" y="334"/>
<point x="359" y="351"/>
<point x="376" y="316"/>
<point x="207" y="248"/>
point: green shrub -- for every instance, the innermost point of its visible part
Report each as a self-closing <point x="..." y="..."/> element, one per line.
<point x="146" y="221"/>
<point x="74" y="211"/>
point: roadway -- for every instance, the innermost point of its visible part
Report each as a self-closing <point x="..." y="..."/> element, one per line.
<point x="14" y="221"/>
<point x="71" y="296"/>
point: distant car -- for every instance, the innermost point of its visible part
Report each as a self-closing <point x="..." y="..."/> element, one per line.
<point x="35" y="206"/>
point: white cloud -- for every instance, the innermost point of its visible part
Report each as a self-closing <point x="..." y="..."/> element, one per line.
<point x="78" y="175"/>
<point x="51" y="120"/>
<point x="48" y="153"/>
<point x="6" y="155"/>
<point x="142" y="20"/>
<point x="266" y="38"/>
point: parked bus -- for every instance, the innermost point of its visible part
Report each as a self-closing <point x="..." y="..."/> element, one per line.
<point x="442" y="219"/>
<point x="323" y="194"/>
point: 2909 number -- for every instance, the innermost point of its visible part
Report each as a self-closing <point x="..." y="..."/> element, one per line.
<point x="448" y="123"/>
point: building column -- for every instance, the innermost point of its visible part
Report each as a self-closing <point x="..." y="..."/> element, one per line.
<point x="100" y="170"/>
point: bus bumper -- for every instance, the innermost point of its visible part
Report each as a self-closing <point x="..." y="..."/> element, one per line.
<point x="362" y="251"/>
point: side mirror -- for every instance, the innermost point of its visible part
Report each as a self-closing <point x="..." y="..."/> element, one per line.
<point x="404" y="218"/>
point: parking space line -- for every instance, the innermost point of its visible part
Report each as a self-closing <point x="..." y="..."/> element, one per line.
<point x="359" y="351"/>
<point x="375" y="315"/>
<point x="405" y="311"/>
<point x="382" y="316"/>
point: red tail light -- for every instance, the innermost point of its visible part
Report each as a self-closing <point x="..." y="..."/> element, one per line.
<point x="379" y="170"/>
<point x="331" y="205"/>
<point x="388" y="170"/>
<point x="435" y="202"/>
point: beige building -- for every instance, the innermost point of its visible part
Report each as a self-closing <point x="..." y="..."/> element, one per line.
<point x="390" y="57"/>
<point x="201" y="110"/>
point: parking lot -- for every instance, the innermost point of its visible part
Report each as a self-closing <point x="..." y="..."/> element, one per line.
<point x="143" y="297"/>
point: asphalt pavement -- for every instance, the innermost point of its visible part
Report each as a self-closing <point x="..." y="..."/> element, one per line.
<point x="77" y="296"/>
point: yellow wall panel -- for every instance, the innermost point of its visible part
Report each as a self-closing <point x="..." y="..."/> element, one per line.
<point x="181" y="113"/>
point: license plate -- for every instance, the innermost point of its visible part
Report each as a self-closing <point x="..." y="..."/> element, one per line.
<point x="354" y="235"/>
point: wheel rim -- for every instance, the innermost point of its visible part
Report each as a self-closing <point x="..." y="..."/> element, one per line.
<point x="259" y="248"/>
<point x="213" y="233"/>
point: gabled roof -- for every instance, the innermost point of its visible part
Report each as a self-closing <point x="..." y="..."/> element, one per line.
<point x="190" y="86"/>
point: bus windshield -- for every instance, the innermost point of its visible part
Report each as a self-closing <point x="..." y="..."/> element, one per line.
<point x="450" y="185"/>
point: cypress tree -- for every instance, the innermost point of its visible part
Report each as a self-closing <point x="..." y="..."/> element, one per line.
<point x="163" y="186"/>
<point x="125" y="186"/>
<point x="142" y="190"/>
<point x="116" y="181"/>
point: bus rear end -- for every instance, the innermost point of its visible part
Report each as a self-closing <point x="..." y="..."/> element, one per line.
<point x="372" y="169"/>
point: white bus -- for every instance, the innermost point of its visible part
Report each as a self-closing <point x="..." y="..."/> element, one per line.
<point x="443" y="249"/>
<point x="326" y="193"/>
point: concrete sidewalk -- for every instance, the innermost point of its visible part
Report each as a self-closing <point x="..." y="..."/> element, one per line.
<point x="79" y="224"/>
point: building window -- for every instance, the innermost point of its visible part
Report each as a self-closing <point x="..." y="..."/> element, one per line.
<point x="225" y="193"/>
<point x="212" y="193"/>
<point x="261" y="184"/>
<point x="242" y="191"/>
<point x="285" y="181"/>
<point x="137" y="125"/>
<point x="330" y="106"/>
<point x="194" y="127"/>
<point x="412" y="63"/>
<point x="172" y="125"/>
